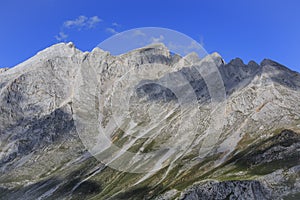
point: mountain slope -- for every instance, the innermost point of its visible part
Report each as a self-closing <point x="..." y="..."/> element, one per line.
<point x="44" y="101"/>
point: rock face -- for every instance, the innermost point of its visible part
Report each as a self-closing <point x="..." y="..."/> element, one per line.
<point x="3" y="69"/>
<point x="44" y="101"/>
<point x="227" y="190"/>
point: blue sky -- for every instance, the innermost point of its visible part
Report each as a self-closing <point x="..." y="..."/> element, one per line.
<point x="249" y="29"/>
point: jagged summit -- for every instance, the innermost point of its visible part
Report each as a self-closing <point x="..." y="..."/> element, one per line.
<point x="234" y="73"/>
<point x="252" y="63"/>
<point x="69" y="49"/>
<point x="237" y="62"/>
<point x="156" y="48"/>
<point x="268" y="62"/>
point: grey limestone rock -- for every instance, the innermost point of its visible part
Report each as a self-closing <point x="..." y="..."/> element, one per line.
<point x="43" y="157"/>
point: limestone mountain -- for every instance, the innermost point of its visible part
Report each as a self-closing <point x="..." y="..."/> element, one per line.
<point x="50" y="100"/>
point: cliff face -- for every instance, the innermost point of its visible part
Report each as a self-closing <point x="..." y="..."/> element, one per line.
<point x="53" y="105"/>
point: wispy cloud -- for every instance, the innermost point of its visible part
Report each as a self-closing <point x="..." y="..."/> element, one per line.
<point x="78" y="22"/>
<point x="158" y="39"/>
<point x="81" y="22"/>
<point x="111" y="30"/>
<point x="115" y="24"/>
<point x="139" y="33"/>
<point x="61" y="36"/>
<point x="93" y="21"/>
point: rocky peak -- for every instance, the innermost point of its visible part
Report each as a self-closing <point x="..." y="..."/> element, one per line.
<point x="192" y="57"/>
<point x="267" y="61"/>
<point x="152" y="49"/>
<point x="275" y="66"/>
<point x="253" y="64"/>
<point x="237" y="62"/>
<point x="217" y="58"/>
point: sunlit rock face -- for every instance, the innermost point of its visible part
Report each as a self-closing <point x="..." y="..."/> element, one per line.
<point x="154" y="109"/>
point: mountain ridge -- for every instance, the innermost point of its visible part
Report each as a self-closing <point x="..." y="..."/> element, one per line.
<point x="42" y="156"/>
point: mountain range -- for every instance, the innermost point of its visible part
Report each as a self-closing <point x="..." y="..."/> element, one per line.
<point x="173" y="127"/>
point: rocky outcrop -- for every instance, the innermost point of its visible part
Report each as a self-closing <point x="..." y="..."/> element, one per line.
<point x="227" y="190"/>
<point x="3" y="70"/>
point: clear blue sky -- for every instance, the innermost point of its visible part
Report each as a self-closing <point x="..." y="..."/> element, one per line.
<point x="249" y="29"/>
